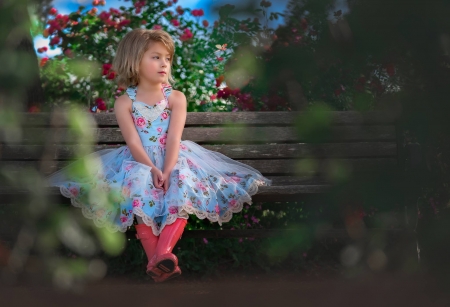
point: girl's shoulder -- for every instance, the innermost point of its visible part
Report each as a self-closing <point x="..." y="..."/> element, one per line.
<point x="123" y="102"/>
<point x="177" y="98"/>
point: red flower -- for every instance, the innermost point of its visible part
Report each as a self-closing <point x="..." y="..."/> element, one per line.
<point x="187" y="35"/>
<point x="220" y="59"/>
<point x="124" y="22"/>
<point x="205" y="23"/>
<point x="111" y="75"/>
<point x="43" y="61"/>
<point x="93" y="11"/>
<point x="55" y="40"/>
<point x="144" y="22"/>
<point x="95" y="2"/>
<point x="175" y="1"/>
<point x="175" y="22"/>
<point x="101" y="104"/>
<point x="169" y="3"/>
<point x="179" y="10"/>
<point x="114" y="11"/>
<point x="104" y="15"/>
<point x="53" y="11"/>
<point x="197" y="13"/>
<point x="157" y="27"/>
<point x="224" y="93"/>
<point x="265" y="3"/>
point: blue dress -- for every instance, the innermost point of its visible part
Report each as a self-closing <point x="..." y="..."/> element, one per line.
<point x="202" y="182"/>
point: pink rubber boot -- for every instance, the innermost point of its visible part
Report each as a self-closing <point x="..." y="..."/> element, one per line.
<point x="149" y="241"/>
<point x="164" y="261"/>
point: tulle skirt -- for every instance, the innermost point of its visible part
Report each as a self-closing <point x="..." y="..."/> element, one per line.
<point x="110" y="187"/>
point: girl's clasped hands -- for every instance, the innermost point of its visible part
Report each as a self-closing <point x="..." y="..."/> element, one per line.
<point x="160" y="179"/>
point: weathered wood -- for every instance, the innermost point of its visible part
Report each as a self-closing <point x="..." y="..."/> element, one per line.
<point x="285" y="166"/>
<point x="248" y="118"/>
<point x="272" y="190"/>
<point x="254" y="151"/>
<point x="236" y="135"/>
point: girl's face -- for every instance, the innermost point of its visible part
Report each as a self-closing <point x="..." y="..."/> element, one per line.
<point x="155" y="64"/>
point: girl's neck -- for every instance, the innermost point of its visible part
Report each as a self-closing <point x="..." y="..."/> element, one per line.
<point x="149" y="87"/>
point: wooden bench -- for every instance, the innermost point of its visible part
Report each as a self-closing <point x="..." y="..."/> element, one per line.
<point x="362" y="145"/>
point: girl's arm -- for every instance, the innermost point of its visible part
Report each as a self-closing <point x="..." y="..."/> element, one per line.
<point x="176" y="126"/>
<point x="122" y="110"/>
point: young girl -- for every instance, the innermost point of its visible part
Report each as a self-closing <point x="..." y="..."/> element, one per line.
<point x="160" y="178"/>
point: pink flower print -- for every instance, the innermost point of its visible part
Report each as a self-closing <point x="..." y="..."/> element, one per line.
<point x="183" y="147"/>
<point x="199" y="202"/>
<point x="189" y="203"/>
<point x="181" y="177"/>
<point x="159" y="129"/>
<point x="232" y="203"/>
<point x="162" y="140"/>
<point x="235" y="178"/>
<point x="146" y="192"/>
<point x="128" y="167"/>
<point x="173" y="210"/>
<point x="129" y="184"/>
<point x="126" y="191"/>
<point x="140" y="122"/>
<point x="164" y="115"/>
<point x="136" y="203"/>
<point x="74" y="191"/>
<point x="155" y="194"/>
<point x="217" y="209"/>
<point x="201" y="186"/>
<point x="123" y="218"/>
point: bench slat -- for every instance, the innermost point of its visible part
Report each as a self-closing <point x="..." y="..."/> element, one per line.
<point x="255" y="151"/>
<point x="279" y="166"/>
<point x="221" y="135"/>
<point x="250" y="118"/>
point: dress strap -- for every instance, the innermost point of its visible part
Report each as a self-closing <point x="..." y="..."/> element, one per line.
<point x="131" y="92"/>
<point x="167" y="90"/>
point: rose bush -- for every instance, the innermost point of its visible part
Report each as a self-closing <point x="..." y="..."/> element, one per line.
<point x="88" y="37"/>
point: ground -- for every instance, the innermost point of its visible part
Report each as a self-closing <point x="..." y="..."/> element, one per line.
<point x="369" y="289"/>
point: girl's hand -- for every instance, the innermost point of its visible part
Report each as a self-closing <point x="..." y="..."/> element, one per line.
<point x="166" y="184"/>
<point x="157" y="176"/>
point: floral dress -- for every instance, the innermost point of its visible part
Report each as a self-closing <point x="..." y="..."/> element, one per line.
<point x="202" y="182"/>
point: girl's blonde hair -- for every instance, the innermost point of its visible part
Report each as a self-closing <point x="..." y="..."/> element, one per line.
<point x="131" y="50"/>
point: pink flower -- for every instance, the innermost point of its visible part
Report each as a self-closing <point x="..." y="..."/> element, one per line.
<point x="128" y="167"/>
<point x="232" y="203"/>
<point x="157" y="27"/>
<point x="140" y="122"/>
<point x="235" y="178"/>
<point x="53" y="11"/>
<point x="175" y="22"/>
<point x="181" y="177"/>
<point x="164" y="115"/>
<point x="205" y="241"/>
<point x="159" y="129"/>
<point x="55" y="40"/>
<point x="205" y="23"/>
<point x="217" y="209"/>
<point x="183" y="147"/>
<point x="173" y="210"/>
<point x="146" y="192"/>
<point x="213" y="96"/>
<point x="162" y="140"/>
<point x="123" y="218"/>
<point x="74" y="191"/>
<point x="189" y="203"/>
<point x="199" y="202"/>
<point x="136" y="203"/>
<point x="155" y="194"/>
<point x="101" y="104"/>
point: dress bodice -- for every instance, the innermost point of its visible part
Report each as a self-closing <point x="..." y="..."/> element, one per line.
<point x="151" y="122"/>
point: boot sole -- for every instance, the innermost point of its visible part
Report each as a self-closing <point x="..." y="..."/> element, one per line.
<point x="166" y="265"/>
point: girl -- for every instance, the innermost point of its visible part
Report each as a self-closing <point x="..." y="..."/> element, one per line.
<point x="156" y="177"/>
